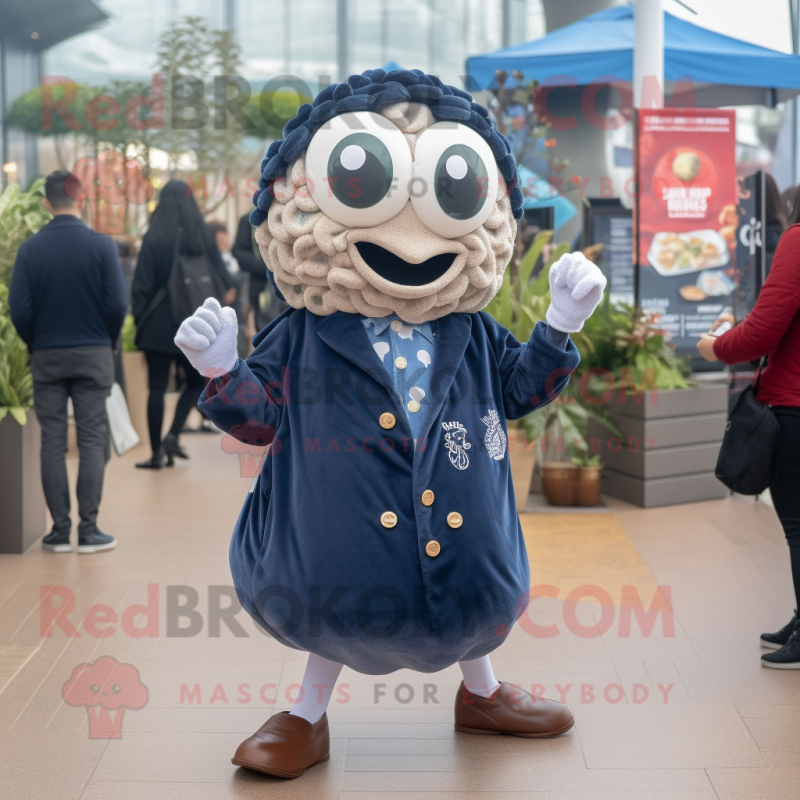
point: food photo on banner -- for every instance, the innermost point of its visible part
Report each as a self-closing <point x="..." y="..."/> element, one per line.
<point x="686" y="218"/>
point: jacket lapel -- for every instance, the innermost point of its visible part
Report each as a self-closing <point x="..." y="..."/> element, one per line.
<point x="345" y="334"/>
<point x="453" y="333"/>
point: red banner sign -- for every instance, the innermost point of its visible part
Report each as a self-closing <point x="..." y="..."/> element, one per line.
<point x="686" y="216"/>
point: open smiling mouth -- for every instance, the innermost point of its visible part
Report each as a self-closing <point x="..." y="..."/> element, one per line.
<point x="394" y="269"/>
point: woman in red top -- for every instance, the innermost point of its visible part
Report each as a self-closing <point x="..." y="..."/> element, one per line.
<point x="773" y="329"/>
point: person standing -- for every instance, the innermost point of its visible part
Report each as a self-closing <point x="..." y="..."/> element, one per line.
<point x="177" y="229"/>
<point x="773" y="329"/>
<point x="249" y="259"/>
<point x="776" y="219"/>
<point x="68" y="301"/>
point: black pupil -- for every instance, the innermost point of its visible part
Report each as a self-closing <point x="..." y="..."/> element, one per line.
<point x="360" y="170"/>
<point x="461" y="182"/>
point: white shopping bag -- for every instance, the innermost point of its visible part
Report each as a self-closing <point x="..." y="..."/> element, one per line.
<point x="123" y="434"/>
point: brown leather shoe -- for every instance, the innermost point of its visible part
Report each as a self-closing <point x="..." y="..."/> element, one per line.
<point x="511" y="711"/>
<point x="285" y="746"/>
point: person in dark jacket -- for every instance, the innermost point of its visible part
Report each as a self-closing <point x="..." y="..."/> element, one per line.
<point x="776" y="221"/>
<point x="177" y="227"/>
<point x="245" y="251"/>
<point x="68" y="301"/>
<point x="772" y="329"/>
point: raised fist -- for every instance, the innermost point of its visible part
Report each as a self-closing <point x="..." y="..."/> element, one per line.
<point x="576" y="289"/>
<point x="208" y="339"/>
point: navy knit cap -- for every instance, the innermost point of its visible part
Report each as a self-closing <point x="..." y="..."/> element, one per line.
<point x="370" y="91"/>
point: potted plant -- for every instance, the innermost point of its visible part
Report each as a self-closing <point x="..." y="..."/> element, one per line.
<point x="662" y="447"/>
<point x="589" y="479"/>
<point x="560" y="482"/>
<point x="23" y="517"/>
<point x="519" y="305"/>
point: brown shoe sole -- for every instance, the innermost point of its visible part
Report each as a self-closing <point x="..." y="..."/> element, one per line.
<point x="278" y="773"/>
<point x="546" y="735"/>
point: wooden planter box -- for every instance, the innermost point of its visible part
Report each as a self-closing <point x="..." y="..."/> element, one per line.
<point x="23" y="515"/>
<point x="673" y="443"/>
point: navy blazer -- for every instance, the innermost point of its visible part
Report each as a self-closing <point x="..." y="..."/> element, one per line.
<point x="332" y="551"/>
<point x="67" y="288"/>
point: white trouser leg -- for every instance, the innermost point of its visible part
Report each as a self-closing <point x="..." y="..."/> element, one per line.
<point x="317" y="687"/>
<point x="479" y="676"/>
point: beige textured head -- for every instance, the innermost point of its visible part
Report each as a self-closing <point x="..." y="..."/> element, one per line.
<point x="327" y="266"/>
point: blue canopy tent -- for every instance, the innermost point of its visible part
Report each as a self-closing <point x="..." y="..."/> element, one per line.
<point x="724" y="71"/>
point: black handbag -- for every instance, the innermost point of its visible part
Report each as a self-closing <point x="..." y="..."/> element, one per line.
<point x="747" y="457"/>
<point x="192" y="280"/>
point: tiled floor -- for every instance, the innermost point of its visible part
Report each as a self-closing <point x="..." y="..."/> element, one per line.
<point x="680" y="712"/>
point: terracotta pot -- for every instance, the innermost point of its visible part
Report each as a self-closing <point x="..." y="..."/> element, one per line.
<point x="559" y="479"/>
<point x="588" y="485"/>
<point x="522" y="457"/>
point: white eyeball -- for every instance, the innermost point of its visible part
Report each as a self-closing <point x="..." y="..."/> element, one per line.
<point x="455" y="179"/>
<point x="358" y="167"/>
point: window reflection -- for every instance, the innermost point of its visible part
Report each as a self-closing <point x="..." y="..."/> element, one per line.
<point x="300" y="36"/>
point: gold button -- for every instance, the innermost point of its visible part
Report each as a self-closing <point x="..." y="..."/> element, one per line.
<point x="427" y="498"/>
<point x="400" y="362"/>
<point x="387" y="420"/>
<point x="413" y="406"/>
<point x="433" y="548"/>
<point x="454" y="519"/>
<point x="388" y="519"/>
<point x="396" y="325"/>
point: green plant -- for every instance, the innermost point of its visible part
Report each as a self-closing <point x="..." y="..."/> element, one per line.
<point x="21" y="215"/>
<point x="583" y="459"/>
<point x="519" y="305"/>
<point x="521" y="302"/>
<point x="16" y="382"/>
<point x="129" y="335"/>
<point x="629" y="344"/>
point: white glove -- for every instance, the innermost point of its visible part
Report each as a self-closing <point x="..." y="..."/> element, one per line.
<point x="576" y="289"/>
<point x="208" y="339"/>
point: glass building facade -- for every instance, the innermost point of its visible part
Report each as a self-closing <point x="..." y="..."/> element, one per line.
<point x="306" y="38"/>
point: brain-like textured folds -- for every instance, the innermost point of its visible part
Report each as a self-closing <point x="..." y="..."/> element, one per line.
<point x="316" y="265"/>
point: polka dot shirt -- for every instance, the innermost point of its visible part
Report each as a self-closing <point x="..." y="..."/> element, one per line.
<point x="407" y="352"/>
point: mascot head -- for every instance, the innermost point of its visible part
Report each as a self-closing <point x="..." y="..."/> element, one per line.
<point x="391" y="193"/>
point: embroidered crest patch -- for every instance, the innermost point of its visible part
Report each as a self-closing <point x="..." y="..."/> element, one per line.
<point x="456" y="444"/>
<point x="495" y="438"/>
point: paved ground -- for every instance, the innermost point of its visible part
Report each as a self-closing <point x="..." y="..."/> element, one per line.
<point x="684" y="714"/>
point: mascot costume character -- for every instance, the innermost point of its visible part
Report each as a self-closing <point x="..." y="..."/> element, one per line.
<point x="382" y="531"/>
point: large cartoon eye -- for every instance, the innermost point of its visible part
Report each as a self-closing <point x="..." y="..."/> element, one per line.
<point x="455" y="179"/>
<point x="94" y="688"/>
<point x="358" y="167"/>
<point x="116" y="688"/>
